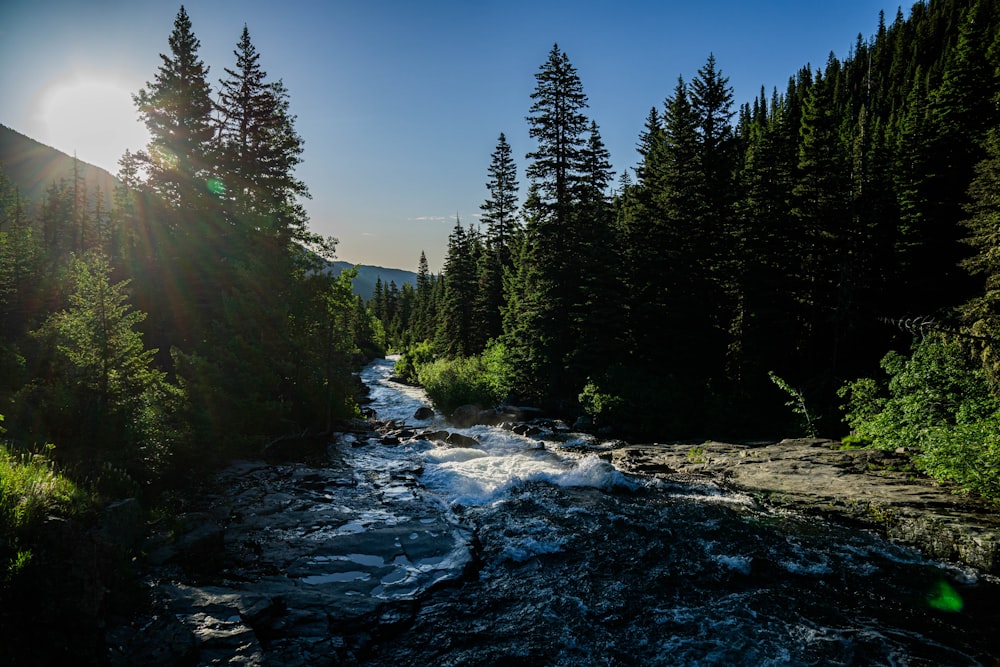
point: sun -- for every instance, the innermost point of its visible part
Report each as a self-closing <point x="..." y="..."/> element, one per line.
<point x="93" y="116"/>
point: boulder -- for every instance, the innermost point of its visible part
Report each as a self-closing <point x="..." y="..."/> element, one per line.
<point x="465" y="416"/>
<point x="527" y="430"/>
<point x="423" y="413"/>
<point x="435" y="436"/>
<point x="459" y="440"/>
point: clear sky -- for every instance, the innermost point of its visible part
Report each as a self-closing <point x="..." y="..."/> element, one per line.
<point x="400" y="103"/>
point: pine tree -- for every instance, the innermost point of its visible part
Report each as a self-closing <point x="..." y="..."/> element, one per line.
<point x="598" y="304"/>
<point x="559" y="126"/>
<point x="547" y="282"/>
<point x="177" y="110"/>
<point x="19" y="257"/>
<point x="117" y="399"/>
<point x="982" y="313"/>
<point x="500" y="217"/>
<point x="423" y="327"/>
<point x="260" y="149"/>
<point x="457" y="334"/>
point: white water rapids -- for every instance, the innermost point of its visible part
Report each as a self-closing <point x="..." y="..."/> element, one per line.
<point x="502" y="460"/>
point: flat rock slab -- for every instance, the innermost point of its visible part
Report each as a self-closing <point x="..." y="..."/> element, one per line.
<point x="875" y="488"/>
<point x="318" y="557"/>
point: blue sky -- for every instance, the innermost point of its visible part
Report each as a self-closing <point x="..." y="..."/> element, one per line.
<point x="400" y="103"/>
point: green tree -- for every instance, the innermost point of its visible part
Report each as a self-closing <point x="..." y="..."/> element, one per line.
<point x="544" y="291"/>
<point x="177" y="110"/>
<point x="103" y="389"/>
<point x="457" y="335"/>
<point x="502" y="223"/>
<point x="260" y="150"/>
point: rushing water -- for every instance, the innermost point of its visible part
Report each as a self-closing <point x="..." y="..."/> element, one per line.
<point x="581" y="564"/>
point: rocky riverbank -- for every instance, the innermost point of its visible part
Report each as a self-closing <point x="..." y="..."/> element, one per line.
<point x="872" y="488"/>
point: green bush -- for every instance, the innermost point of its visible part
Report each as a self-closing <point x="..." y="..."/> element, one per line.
<point x="412" y="358"/>
<point x="482" y="380"/>
<point x="937" y="402"/>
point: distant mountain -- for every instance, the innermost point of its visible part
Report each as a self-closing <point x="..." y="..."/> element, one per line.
<point x="32" y="167"/>
<point x="364" y="284"/>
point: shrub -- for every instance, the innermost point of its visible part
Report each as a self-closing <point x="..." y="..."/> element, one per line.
<point x="412" y="358"/>
<point x="938" y="402"/>
<point x="482" y="380"/>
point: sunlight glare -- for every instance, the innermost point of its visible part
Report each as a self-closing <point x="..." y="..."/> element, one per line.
<point x="92" y="116"/>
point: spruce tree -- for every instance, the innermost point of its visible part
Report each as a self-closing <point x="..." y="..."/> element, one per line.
<point x="502" y="227"/>
<point x="458" y="334"/>
<point x="423" y="327"/>
<point x="260" y="149"/>
<point x="546" y="287"/>
<point x="177" y="110"/>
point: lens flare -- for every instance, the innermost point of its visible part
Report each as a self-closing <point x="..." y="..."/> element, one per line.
<point x="215" y="186"/>
<point x="945" y="598"/>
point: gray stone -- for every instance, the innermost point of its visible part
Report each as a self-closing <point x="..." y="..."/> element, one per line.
<point x="459" y="440"/>
<point x="815" y="476"/>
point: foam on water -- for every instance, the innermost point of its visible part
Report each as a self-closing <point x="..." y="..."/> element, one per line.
<point x="478" y="477"/>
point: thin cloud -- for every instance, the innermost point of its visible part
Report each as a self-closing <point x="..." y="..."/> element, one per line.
<point x="430" y="218"/>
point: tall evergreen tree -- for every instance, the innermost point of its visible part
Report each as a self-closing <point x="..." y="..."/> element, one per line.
<point x="502" y="227"/>
<point x="458" y="334"/>
<point x="546" y="285"/>
<point x="177" y="110"/>
<point x="424" y="312"/>
<point x="260" y="148"/>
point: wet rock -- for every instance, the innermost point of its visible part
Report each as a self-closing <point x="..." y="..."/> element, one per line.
<point x="520" y="413"/>
<point x="423" y="413"/>
<point x="465" y="416"/>
<point x="162" y="641"/>
<point x="459" y="440"/>
<point x="315" y="562"/>
<point x="435" y="436"/>
<point x="527" y="430"/>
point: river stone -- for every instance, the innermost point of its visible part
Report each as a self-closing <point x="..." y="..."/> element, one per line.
<point x="315" y="561"/>
<point x="465" y="416"/>
<point x="423" y="413"/>
<point x="459" y="440"/>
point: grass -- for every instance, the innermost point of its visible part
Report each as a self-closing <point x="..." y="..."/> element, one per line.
<point x="31" y="489"/>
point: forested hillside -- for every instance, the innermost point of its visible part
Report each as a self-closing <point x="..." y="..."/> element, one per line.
<point x="755" y="256"/>
<point x="34" y="169"/>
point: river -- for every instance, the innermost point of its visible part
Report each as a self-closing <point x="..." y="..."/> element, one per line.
<point x="577" y="563"/>
<point x="518" y="550"/>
